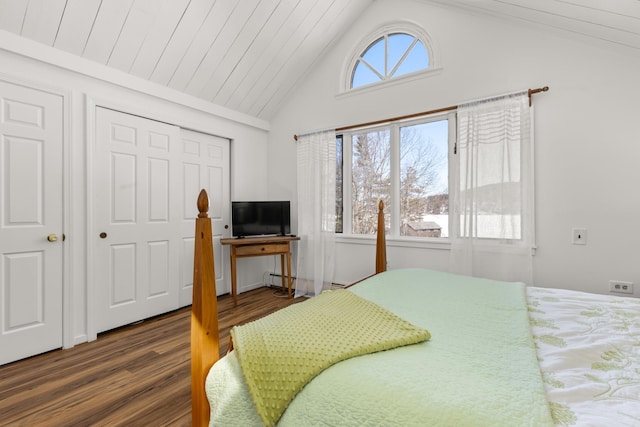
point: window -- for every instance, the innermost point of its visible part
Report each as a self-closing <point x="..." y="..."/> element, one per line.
<point x="424" y="186"/>
<point x="370" y="177"/>
<point x="390" y="56"/>
<point x="339" y="183"/>
<point x="406" y="166"/>
<point x="393" y="51"/>
<point x="476" y="183"/>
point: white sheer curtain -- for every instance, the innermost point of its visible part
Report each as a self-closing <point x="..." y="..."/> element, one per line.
<point x="492" y="234"/>
<point x="316" y="212"/>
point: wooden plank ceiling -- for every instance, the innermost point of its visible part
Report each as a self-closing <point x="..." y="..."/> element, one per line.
<point x="242" y="54"/>
<point x="610" y="21"/>
<point x="247" y="55"/>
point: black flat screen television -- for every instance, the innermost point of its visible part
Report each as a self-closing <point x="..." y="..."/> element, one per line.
<point x="260" y="218"/>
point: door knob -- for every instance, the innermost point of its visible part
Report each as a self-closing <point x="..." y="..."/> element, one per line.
<point x="52" y="237"/>
<point x="103" y="235"/>
<point x="226" y="226"/>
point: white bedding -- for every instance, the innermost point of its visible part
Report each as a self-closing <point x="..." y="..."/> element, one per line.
<point x="589" y="352"/>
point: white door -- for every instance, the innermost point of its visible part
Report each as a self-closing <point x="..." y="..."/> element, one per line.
<point x="205" y="164"/>
<point x="137" y="200"/>
<point x="31" y="152"/>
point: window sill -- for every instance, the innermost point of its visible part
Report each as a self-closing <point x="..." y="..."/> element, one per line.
<point x="400" y="242"/>
<point x="429" y="72"/>
<point x="443" y="244"/>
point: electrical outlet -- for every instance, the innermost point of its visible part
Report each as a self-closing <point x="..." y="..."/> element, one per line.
<point x="266" y="278"/>
<point x="620" y="287"/>
<point x="579" y="236"/>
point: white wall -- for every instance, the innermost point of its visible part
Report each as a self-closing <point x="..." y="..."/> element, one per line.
<point x="587" y="134"/>
<point x="248" y="146"/>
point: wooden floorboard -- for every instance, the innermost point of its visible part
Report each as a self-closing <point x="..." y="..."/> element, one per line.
<point x="137" y="375"/>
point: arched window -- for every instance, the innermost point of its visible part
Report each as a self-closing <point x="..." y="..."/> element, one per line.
<point x="395" y="51"/>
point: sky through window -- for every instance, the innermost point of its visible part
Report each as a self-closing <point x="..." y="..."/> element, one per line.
<point x="390" y="56"/>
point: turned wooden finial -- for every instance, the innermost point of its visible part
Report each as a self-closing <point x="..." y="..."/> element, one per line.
<point x="205" y="348"/>
<point x="380" y="206"/>
<point x="203" y="204"/>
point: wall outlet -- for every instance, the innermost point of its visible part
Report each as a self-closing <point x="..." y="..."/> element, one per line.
<point x="620" y="287"/>
<point x="579" y="236"/>
<point x="267" y="279"/>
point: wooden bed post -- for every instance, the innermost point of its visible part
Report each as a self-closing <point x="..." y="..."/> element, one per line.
<point x="381" y="245"/>
<point x="204" y="314"/>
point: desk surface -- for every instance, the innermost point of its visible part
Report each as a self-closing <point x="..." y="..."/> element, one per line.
<point x="257" y="240"/>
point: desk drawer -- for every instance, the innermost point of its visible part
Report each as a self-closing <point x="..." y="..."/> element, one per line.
<point x="264" y="249"/>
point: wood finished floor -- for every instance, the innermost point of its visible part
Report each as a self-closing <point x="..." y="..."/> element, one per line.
<point x="137" y="375"/>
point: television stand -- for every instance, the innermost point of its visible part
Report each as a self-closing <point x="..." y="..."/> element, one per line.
<point x="261" y="246"/>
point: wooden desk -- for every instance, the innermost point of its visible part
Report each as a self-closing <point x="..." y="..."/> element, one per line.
<point x="260" y="246"/>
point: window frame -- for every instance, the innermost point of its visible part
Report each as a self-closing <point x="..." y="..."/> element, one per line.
<point x="393" y="28"/>
<point x="340" y="184"/>
<point x="394" y="209"/>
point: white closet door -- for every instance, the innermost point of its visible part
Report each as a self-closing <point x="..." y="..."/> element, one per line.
<point x="31" y="149"/>
<point x="205" y="164"/>
<point x="137" y="208"/>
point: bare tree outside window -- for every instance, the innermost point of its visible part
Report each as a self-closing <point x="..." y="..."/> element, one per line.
<point x="424" y="193"/>
<point x="423" y="185"/>
<point x="370" y="178"/>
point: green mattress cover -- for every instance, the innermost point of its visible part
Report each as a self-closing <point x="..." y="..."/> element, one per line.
<point x="479" y="367"/>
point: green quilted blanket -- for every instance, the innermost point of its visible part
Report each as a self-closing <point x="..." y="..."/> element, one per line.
<point x="282" y="352"/>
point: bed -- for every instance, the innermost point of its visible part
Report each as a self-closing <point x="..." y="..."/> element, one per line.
<point x="496" y="353"/>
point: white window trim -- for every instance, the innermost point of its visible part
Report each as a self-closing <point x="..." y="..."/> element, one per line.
<point x="394" y="27"/>
<point x="394" y="209"/>
<point x="405" y="78"/>
<point x="400" y="242"/>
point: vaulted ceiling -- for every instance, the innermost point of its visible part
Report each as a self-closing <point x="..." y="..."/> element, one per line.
<point x="610" y="21"/>
<point x="246" y="55"/>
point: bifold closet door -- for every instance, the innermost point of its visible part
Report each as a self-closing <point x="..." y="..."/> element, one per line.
<point x="205" y="164"/>
<point x="137" y="206"/>
<point x="31" y="218"/>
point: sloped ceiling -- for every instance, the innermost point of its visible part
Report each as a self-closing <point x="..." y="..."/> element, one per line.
<point x="241" y="54"/>
<point x="610" y="21"/>
<point x="247" y="54"/>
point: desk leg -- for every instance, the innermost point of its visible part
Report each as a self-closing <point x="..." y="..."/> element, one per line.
<point x="232" y="253"/>
<point x="282" y="271"/>
<point x="290" y="280"/>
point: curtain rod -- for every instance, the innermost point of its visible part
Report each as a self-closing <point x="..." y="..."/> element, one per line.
<point x="424" y="113"/>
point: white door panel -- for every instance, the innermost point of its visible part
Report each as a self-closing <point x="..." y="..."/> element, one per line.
<point x="205" y="164"/>
<point x="31" y="150"/>
<point x="136" y="259"/>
